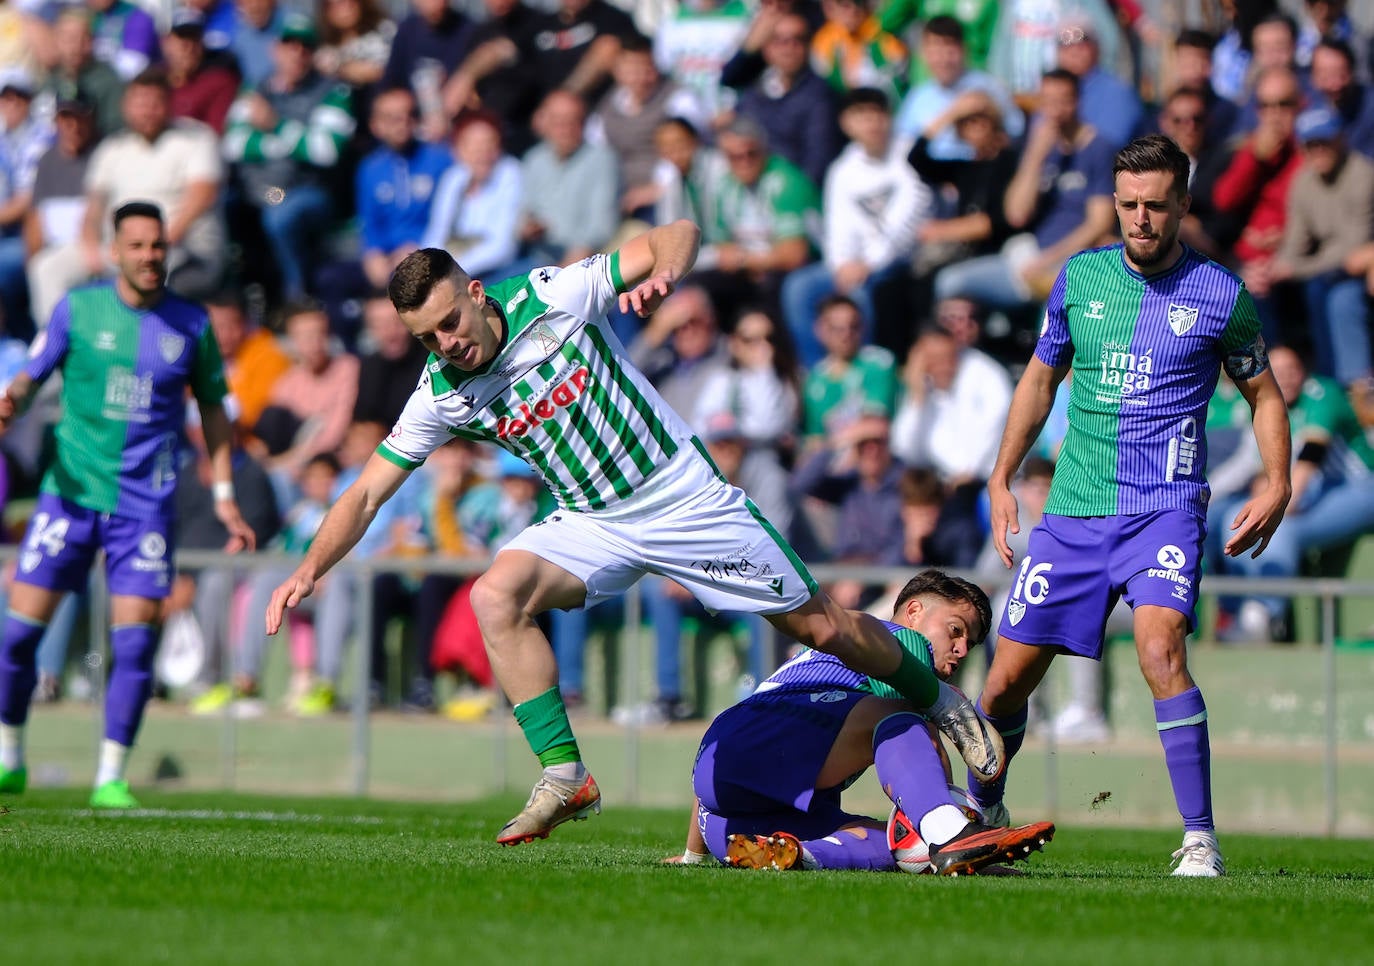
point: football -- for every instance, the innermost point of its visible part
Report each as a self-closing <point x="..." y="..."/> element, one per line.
<point x="904" y="838"/>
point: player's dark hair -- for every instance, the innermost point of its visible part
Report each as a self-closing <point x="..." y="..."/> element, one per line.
<point x="952" y="589"/>
<point x="865" y="97"/>
<point x="1338" y="46"/>
<point x="1154" y="152"/>
<point x="136" y="209"/>
<point x="945" y="26"/>
<point x="417" y="275"/>
<point x="1064" y="77"/>
<point x="1199" y="39"/>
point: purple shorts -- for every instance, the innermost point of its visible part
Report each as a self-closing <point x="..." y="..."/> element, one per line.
<point x="62" y="540"/>
<point x="762" y="757"/>
<point x="1077" y="568"/>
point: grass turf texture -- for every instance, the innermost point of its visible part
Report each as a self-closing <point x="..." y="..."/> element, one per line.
<point x="248" y="879"/>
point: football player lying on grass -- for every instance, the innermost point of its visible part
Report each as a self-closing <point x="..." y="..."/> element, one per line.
<point x="770" y="769"/>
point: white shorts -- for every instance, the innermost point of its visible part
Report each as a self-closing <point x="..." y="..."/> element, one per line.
<point x="686" y="524"/>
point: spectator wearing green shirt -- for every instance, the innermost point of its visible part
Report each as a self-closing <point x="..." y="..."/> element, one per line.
<point x="852" y="380"/>
<point x="286" y="136"/>
<point x="979" y="19"/>
<point x="1333" y="486"/>
<point x="764" y="222"/>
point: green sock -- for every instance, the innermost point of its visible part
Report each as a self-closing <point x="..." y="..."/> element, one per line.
<point x="544" y="721"/>
<point x="914" y="681"/>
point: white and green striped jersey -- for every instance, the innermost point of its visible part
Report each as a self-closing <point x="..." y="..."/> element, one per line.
<point x="559" y="392"/>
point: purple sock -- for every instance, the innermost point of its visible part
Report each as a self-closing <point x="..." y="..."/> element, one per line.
<point x="857" y="848"/>
<point x="18" y="667"/>
<point x="909" y="769"/>
<point x="852" y="848"/>
<point x="1182" y="724"/>
<point x="131" y="680"/>
<point x="1012" y="728"/>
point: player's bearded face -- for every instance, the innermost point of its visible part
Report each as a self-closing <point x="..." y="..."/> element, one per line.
<point x="1150" y="211"/>
<point x="141" y="254"/>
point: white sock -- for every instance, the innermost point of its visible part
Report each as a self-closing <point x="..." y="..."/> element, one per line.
<point x="11" y="746"/>
<point x="694" y="858"/>
<point x="941" y="824"/>
<point x="113" y="757"/>
<point x="569" y="771"/>
<point x="1191" y="837"/>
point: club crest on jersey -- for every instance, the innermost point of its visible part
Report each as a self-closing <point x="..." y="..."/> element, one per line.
<point x="544" y="338"/>
<point x="563" y="395"/>
<point x="1095" y="310"/>
<point x="170" y="346"/>
<point x="1181" y="318"/>
<point x="1016" y="609"/>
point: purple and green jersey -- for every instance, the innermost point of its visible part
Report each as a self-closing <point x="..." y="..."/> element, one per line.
<point x="1146" y="354"/>
<point x="813" y="671"/>
<point x="125" y="372"/>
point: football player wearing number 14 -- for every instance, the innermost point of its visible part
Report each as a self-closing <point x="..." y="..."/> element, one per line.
<point x="128" y="350"/>
<point x="1146" y="326"/>
<point x="531" y="365"/>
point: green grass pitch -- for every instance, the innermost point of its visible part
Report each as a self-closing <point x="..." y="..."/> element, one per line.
<point x="246" y="879"/>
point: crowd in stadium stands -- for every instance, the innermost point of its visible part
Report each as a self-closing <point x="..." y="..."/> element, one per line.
<point x="886" y="190"/>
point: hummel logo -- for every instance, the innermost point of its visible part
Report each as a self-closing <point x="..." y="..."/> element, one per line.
<point x="1095" y="310"/>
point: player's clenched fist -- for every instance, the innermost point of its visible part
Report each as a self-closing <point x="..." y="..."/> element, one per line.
<point x="292" y="591"/>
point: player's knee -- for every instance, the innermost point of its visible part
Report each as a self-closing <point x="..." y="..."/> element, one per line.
<point x="1163" y="662"/>
<point x="494" y="605"/>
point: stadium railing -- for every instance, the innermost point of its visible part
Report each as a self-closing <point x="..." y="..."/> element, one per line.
<point x="1326" y="591"/>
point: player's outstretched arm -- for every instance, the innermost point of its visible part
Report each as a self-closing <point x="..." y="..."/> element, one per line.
<point x="653" y="263"/>
<point x="695" y="851"/>
<point x="1263" y="512"/>
<point x="342" y="527"/>
<point x="1030" y="407"/>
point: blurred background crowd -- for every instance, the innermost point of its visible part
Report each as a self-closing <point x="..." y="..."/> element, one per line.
<point x="887" y="189"/>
